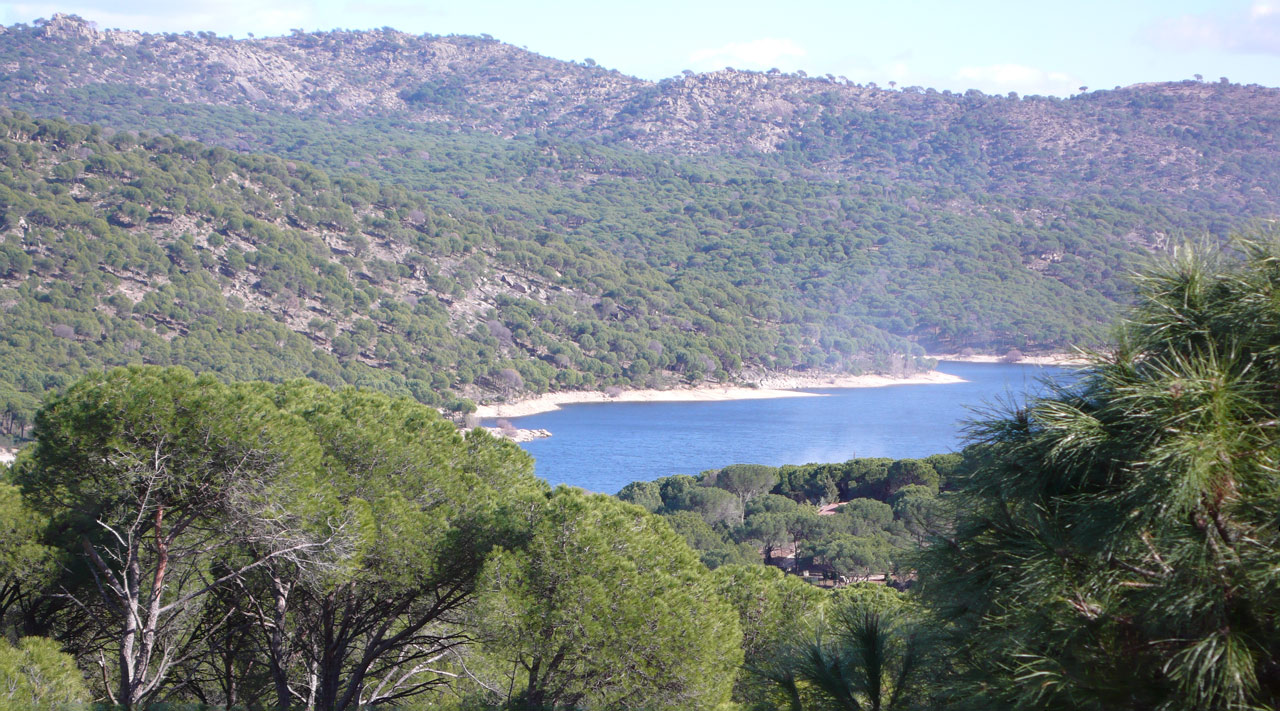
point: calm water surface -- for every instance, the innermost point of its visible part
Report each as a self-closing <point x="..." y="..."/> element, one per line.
<point x="602" y="447"/>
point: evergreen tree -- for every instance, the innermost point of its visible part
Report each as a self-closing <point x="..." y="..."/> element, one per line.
<point x="1119" y="539"/>
<point x="606" y="607"/>
<point x="35" y="674"/>
<point x="866" y="655"/>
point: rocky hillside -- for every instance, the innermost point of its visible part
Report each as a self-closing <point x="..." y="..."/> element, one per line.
<point x="118" y="249"/>
<point x="455" y="217"/>
<point x="1180" y="137"/>
<point x="490" y="83"/>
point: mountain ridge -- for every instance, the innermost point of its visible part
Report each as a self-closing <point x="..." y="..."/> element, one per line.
<point x="426" y="75"/>
<point x="586" y="223"/>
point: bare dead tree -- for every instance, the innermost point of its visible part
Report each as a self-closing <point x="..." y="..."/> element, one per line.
<point x="151" y="569"/>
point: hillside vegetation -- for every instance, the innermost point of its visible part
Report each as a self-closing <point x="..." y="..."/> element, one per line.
<point x="167" y="251"/>
<point x="176" y="540"/>
<point x="455" y="217"/>
<point x="854" y="519"/>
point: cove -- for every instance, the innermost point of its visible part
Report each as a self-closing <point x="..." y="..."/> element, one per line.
<point x="604" y="446"/>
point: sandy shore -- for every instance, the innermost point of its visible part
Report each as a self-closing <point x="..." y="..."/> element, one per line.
<point x="770" y="387"/>
<point x="1061" y="359"/>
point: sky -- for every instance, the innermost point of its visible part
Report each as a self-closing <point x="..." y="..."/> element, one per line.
<point x="1027" y="46"/>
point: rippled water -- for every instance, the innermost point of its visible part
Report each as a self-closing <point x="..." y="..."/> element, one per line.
<point x="602" y="447"/>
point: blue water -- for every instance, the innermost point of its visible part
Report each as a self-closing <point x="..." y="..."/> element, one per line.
<point x="602" y="447"/>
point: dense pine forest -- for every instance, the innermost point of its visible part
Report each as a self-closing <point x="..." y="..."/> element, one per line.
<point x="173" y="539"/>
<point x="160" y="250"/>
<point x="251" y="288"/>
<point x="466" y="220"/>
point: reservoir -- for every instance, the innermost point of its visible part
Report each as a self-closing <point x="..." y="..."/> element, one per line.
<point x="603" y="446"/>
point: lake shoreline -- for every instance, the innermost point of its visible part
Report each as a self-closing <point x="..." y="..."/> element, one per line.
<point x="769" y="387"/>
<point x="601" y="448"/>
<point x="1064" y="360"/>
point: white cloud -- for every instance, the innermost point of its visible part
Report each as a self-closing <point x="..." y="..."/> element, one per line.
<point x="1003" y="78"/>
<point x="764" y="53"/>
<point x="1254" y="32"/>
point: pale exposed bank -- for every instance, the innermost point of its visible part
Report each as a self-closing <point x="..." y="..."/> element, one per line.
<point x="1063" y="360"/>
<point x="768" y="387"/>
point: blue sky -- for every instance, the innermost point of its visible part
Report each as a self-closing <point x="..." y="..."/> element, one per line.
<point x="1028" y="46"/>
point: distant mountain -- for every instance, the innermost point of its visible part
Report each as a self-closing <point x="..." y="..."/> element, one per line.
<point x="1178" y="137"/>
<point x="579" y="227"/>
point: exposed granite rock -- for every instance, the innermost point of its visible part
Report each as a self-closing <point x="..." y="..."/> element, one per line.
<point x="518" y="435"/>
<point x="483" y="84"/>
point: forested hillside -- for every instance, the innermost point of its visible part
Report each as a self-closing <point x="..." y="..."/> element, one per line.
<point x="447" y="219"/>
<point x="1163" y="134"/>
<point x="173" y="540"/>
<point x="454" y="216"/>
<point x="160" y="250"/>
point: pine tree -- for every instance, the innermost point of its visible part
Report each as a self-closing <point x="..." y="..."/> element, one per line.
<point x="1120" y="538"/>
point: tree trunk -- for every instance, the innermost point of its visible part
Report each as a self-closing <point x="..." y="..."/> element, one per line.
<point x="276" y="643"/>
<point x="129" y="635"/>
<point x="329" y="681"/>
